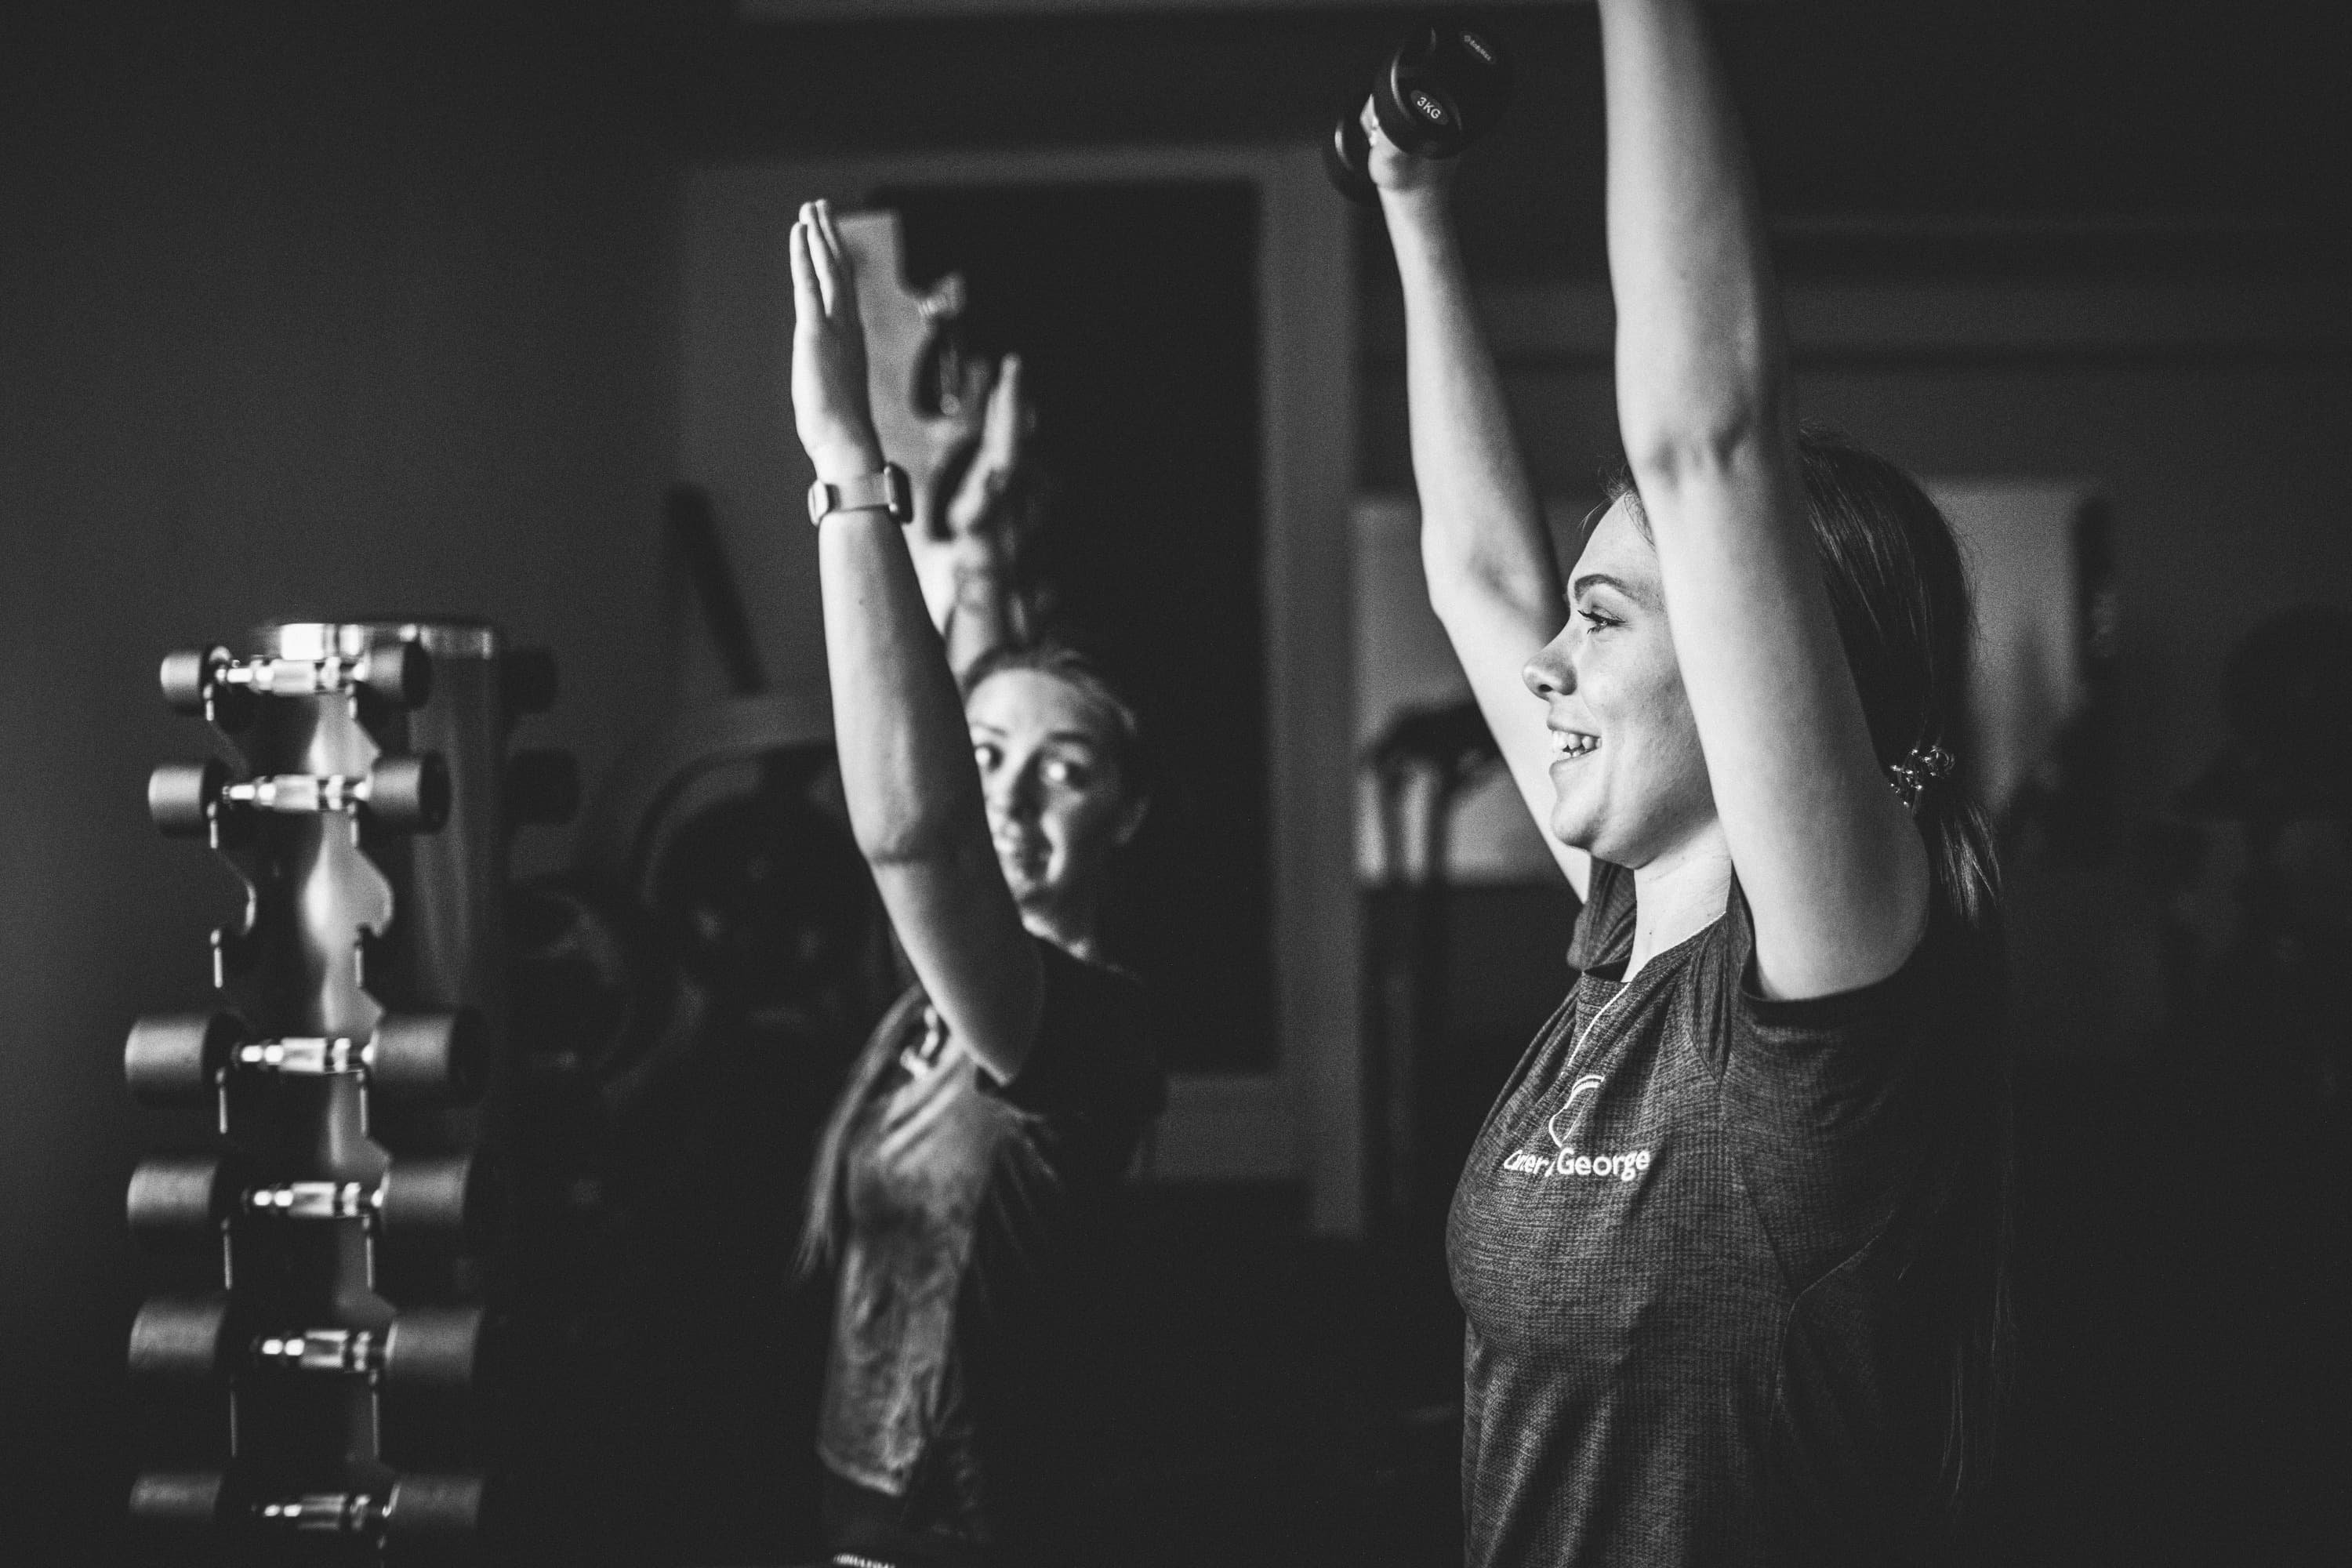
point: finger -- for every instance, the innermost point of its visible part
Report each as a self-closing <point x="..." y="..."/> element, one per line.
<point x="820" y="264"/>
<point x="1373" y="131"/>
<point x="808" y="305"/>
<point x="822" y="214"/>
<point x="970" y="398"/>
<point x="1000" y="438"/>
<point x="844" y="265"/>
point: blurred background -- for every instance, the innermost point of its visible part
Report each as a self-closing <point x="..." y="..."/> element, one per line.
<point x="424" y="307"/>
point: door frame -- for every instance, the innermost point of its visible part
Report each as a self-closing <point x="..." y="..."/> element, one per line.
<point x="1303" y="1120"/>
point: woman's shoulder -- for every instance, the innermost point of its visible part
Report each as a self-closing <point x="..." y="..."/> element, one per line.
<point x="1097" y="1045"/>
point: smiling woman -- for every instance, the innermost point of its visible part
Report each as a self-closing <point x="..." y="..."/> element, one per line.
<point x="1764" y="1326"/>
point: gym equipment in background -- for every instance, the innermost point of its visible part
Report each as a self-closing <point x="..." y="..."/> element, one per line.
<point x="1441" y="89"/>
<point x="344" y="1252"/>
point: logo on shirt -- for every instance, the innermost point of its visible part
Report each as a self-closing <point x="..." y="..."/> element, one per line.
<point x="1622" y="1167"/>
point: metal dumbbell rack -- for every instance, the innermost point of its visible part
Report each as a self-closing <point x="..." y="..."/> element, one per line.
<point x="344" y="1247"/>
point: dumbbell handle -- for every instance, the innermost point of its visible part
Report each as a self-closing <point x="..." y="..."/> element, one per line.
<point x="306" y="1056"/>
<point x="300" y="794"/>
<point x="335" y="674"/>
<point x="326" y="1513"/>
<point x="346" y="1351"/>
<point x="315" y="1200"/>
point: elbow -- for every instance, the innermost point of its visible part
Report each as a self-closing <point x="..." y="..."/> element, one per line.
<point x="1688" y="415"/>
<point x="1465" y="588"/>
<point x="1702" y="441"/>
<point x="913" y="837"/>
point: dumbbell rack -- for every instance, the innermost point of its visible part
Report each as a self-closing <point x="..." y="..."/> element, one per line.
<point x="349" y="1225"/>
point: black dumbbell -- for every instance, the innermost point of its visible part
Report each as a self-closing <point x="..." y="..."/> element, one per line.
<point x="209" y="1342"/>
<point x="419" y="1517"/>
<point x="200" y="800"/>
<point x="1444" y="87"/>
<point x="188" y="1198"/>
<point x="221" y="686"/>
<point x="181" y="1058"/>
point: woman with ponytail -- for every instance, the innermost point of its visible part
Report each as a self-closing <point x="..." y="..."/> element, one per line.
<point x="1729" y="1245"/>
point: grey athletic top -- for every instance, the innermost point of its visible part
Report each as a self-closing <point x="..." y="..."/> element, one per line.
<point x="1679" y="1243"/>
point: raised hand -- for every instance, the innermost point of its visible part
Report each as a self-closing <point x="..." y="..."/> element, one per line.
<point x="1004" y="428"/>
<point x="831" y="410"/>
<point x="1398" y="172"/>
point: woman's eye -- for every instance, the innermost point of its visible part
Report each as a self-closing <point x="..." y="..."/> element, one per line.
<point x="1062" y="772"/>
<point x="1593" y="619"/>
<point x="985" y="756"/>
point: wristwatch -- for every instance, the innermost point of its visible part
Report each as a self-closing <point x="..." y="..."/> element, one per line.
<point x="886" y="491"/>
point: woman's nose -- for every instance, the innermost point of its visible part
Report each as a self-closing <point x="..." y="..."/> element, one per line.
<point x="1012" y="792"/>
<point x="1552" y="673"/>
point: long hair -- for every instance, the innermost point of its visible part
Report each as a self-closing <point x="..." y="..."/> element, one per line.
<point x="1900" y="595"/>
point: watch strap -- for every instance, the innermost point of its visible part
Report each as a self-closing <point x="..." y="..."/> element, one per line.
<point x="886" y="491"/>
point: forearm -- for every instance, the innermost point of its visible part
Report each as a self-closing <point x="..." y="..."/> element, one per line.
<point x="1701" y="358"/>
<point x="898" y="726"/>
<point x="1482" y="530"/>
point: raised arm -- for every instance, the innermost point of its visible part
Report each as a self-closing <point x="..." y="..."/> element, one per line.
<point x="1834" y="872"/>
<point x="906" y="753"/>
<point x="1484" y="547"/>
<point x="976" y="600"/>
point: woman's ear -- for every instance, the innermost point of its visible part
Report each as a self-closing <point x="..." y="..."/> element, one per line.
<point x="1130" y="819"/>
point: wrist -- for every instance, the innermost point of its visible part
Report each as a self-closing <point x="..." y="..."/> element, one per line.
<point x="849" y="459"/>
<point x="1416" y="209"/>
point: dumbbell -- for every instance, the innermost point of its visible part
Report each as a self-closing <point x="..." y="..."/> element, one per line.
<point x="217" y="685"/>
<point x="185" y="1197"/>
<point x="209" y="1342"/>
<point x="199" y="800"/>
<point x="419" y="1517"/>
<point x="181" y="1058"/>
<point x="1444" y="87"/>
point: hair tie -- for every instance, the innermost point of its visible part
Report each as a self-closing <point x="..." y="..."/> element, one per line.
<point x="1915" y="772"/>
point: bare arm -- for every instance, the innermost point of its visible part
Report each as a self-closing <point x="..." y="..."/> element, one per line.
<point x="1834" y="870"/>
<point x="976" y="601"/>
<point x="906" y="753"/>
<point x="1484" y="547"/>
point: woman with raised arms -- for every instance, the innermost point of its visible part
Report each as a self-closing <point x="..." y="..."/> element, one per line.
<point x="1729" y="1243"/>
<point x="966" y="1163"/>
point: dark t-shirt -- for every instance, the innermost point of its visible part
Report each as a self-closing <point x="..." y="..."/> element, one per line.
<point x="1679" y="1243"/>
<point x="962" y="1202"/>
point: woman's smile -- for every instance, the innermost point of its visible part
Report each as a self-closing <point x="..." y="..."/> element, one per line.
<point x="1572" y="746"/>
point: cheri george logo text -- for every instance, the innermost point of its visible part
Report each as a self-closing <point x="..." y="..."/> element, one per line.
<point x="1568" y="1161"/>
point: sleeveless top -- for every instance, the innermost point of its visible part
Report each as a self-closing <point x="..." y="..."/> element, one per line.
<point x="1681" y="1243"/>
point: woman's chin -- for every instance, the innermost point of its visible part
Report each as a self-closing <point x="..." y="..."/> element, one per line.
<point x="1573" y="828"/>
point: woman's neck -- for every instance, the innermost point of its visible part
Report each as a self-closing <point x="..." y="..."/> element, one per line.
<point x="1678" y="894"/>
